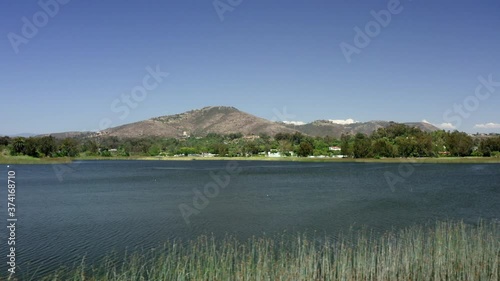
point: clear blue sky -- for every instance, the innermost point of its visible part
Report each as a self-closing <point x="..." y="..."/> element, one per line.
<point x="263" y="57"/>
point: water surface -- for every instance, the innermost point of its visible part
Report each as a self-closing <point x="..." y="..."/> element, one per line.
<point x="90" y="208"/>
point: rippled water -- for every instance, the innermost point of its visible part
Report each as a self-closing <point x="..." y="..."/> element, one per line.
<point x="90" y="208"/>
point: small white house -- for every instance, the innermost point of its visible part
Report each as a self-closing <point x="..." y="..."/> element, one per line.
<point x="334" y="148"/>
<point x="274" y="153"/>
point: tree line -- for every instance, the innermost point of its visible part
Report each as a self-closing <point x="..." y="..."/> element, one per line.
<point x="396" y="140"/>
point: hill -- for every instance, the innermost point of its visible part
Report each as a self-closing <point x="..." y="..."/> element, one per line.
<point x="226" y="120"/>
<point x="324" y="128"/>
<point x="200" y="122"/>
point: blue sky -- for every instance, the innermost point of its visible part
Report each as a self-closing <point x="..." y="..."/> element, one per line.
<point x="280" y="60"/>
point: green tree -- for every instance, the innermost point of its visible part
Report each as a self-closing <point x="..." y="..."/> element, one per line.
<point x="424" y="145"/>
<point x="187" y="150"/>
<point x="220" y="148"/>
<point x="4" y="141"/>
<point x="69" y="147"/>
<point x="31" y="147"/>
<point x="47" y="145"/>
<point x="18" y="146"/>
<point x="105" y="152"/>
<point x="488" y="146"/>
<point x="362" y="146"/>
<point x="250" y="148"/>
<point x="305" y="149"/>
<point x="284" y="146"/>
<point x="91" y="147"/>
<point x="265" y="137"/>
<point x="233" y="136"/>
<point x="383" y="148"/>
<point x="124" y="150"/>
<point x="459" y="143"/>
<point x="154" y="150"/>
<point x="297" y="138"/>
<point x="345" y="147"/>
<point x="406" y="146"/>
<point x="283" y="136"/>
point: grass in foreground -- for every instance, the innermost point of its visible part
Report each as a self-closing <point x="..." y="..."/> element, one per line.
<point x="448" y="251"/>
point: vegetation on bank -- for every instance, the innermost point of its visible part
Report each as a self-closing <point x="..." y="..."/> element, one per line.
<point x="446" y="251"/>
<point x="24" y="159"/>
<point x="394" y="141"/>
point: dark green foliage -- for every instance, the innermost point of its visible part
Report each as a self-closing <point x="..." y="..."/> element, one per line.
<point x="123" y="151"/>
<point x="345" y="145"/>
<point x="221" y="149"/>
<point x="30" y="147"/>
<point x="383" y="148"/>
<point x="234" y="136"/>
<point x="68" y="148"/>
<point x="489" y="146"/>
<point x="396" y="140"/>
<point x="459" y="143"/>
<point x="47" y="145"/>
<point x="105" y="153"/>
<point x="154" y="150"/>
<point x="305" y="149"/>
<point x="91" y="147"/>
<point x="362" y="146"/>
<point x="17" y="146"/>
<point x="187" y="151"/>
<point x="4" y="141"/>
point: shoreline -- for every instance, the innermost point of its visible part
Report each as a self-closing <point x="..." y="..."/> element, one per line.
<point x="23" y="160"/>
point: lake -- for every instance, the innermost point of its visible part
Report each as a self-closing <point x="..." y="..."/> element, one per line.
<point x="91" y="208"/>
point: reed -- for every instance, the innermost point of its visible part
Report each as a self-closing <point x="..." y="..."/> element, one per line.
<point x="444" y="251"/>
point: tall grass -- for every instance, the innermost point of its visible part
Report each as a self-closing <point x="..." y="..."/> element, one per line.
<point x="446" y="251"/>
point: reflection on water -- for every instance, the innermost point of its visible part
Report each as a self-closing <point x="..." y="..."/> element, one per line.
<point x="102" y="206"/>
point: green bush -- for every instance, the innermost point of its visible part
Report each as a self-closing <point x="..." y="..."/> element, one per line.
<point x="105" y="153"/>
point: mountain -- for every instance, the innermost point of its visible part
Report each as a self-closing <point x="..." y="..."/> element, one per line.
<point x="24" y="135"/>
<point x="327" y="128"/>
<point x="226" y="120"/>
<point x="200" y="122"/>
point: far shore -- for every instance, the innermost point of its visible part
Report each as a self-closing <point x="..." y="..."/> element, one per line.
<point x="14" y="160"/>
